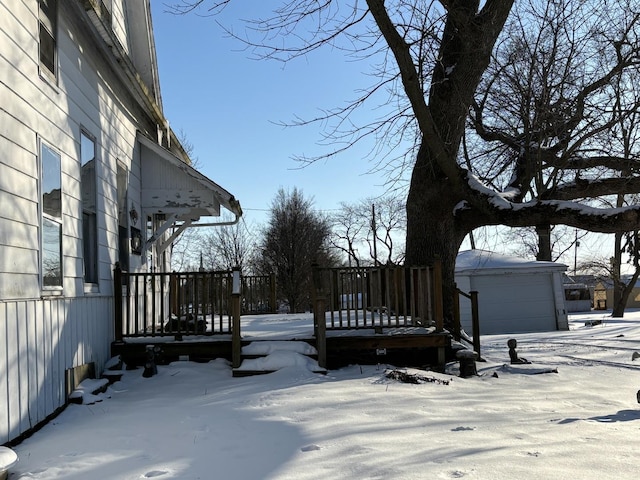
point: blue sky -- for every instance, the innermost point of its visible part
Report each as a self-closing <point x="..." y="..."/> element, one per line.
<point x="227" y="104"/>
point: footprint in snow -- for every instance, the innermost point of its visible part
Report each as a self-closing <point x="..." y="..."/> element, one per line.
<point x="310" y="448"/>
<point x="155" y="473"/>
<point x="457" y="474"/>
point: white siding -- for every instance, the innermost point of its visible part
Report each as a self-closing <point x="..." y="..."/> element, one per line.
<point x="40" y="338"/>
<point x="44" y="338"/>
<point x="513" y="302"/>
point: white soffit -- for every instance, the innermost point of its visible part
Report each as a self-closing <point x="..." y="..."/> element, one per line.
<point x="171" y="186"/>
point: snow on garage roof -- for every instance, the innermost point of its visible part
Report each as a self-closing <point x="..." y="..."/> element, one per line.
<point x="486" y="262"/>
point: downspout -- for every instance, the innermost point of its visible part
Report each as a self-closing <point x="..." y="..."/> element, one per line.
<point x="187" y="224"/>
<point x="219" y="224"/>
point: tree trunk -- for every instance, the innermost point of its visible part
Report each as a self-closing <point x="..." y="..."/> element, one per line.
<point x="544" y="243"/>
<point x="621" y="290"/>
<point x="438" y="185"/>
<point x="625" y="292"/>
<point x="618" y="286"/>
<point x="432" y="233"/>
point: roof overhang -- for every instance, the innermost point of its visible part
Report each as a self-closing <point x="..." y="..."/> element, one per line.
<point x="174" y="188"/>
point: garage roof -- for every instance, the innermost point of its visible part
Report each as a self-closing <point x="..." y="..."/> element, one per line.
<point x="484" y="262"/>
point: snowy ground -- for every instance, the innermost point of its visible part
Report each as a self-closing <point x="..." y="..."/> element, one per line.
<point x="194" y="421"/>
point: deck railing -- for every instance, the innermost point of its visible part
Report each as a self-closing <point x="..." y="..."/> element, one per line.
<point x="475" y="317"/>
<point x="172" y="304"/>
<point x="258" y="294"/>
<point x="377" y="297"/>
<point x="186" y="303"/>
<point x="210" y="303"/>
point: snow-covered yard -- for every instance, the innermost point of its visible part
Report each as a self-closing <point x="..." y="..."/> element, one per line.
<point x="194" y="421"/>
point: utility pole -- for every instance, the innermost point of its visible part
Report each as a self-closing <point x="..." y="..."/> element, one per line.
<point x="375" y="234"/>
<point x="575" y="254"/>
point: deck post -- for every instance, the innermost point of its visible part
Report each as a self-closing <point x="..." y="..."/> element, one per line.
<point x="319" y="316"/>
<point x="437" y="293"/>
<point x="320" y="327"/>
<point x="236" y="344"/>
<point x="117" y="298"/>
<point x="475" y="321"/>
<point x="173" y="294"/>
<point x="272" y="293"/>
<point x="456" y="313"/>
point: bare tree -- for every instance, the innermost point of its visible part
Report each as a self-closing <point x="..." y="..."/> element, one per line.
<point x="388" y="227"/>
<point x="186" y="252"/>
<point x="626" y="134"/>
<point x="556" y="73"/>
<point x="295" y="238"/>
<point x="524" y="242"/>
<point x="370" y="231"/>
<point x="226" y="247"/>
<point x="347" y="230"/>
<point x="214" y="248"/>
<point x="431" y="57"/>
<point x="189" y="148"/>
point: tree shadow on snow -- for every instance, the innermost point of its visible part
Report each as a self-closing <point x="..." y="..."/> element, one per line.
<point x="621" y="416"/>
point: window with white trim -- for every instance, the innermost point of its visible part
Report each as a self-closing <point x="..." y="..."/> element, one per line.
<point x="51" y="222"/>
<point x="48" y="36"/>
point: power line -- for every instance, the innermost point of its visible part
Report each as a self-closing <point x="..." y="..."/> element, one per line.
<point x="268" y="209"/>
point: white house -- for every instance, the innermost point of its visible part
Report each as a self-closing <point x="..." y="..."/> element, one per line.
<point x="90" y="175"/>
<point x="514" y="294"/>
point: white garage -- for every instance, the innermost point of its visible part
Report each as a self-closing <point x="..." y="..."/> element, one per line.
<point x="514" y="295"/>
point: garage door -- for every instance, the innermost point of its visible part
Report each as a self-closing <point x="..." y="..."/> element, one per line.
<point x="515" y="303"/>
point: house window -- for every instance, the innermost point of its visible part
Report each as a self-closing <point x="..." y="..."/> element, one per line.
<point x="123" y="222"/>
<point x="89" y="217"/>
<point x="51" y="217"/>
<point x="48" y="33"/>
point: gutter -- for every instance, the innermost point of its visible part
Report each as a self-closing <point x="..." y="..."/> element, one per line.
<point x="100" y="25"/>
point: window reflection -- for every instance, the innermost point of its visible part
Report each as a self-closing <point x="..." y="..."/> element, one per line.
<point x="89" y="211"/>
<point x="51" y="253"/>
<point x="51" y="217"/>
<point x="51" y="183"/>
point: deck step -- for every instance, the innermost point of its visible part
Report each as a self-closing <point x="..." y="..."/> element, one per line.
<point x="264" y="357"/>
<point x="238" y="373"/>
<point x="88" y="391"/>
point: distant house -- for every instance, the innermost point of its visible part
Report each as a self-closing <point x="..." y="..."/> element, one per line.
<point x="514" y="294"/>
<point x="578" y="293"/>
<point x="90" y="175"/>
<point x="603" y="295"/>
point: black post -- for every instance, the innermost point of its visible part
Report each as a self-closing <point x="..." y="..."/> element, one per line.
<point x="117" y="298"/>
<point x="475" y="323"/>
<point x="456" y="313"/>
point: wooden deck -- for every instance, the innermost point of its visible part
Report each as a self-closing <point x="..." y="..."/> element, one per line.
<point x="390" y="315"/>
<point x="400" y="347"/>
